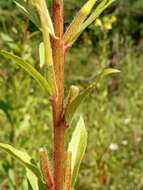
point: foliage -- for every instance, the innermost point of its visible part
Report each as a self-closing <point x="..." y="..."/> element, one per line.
<point x="113" y="117"/>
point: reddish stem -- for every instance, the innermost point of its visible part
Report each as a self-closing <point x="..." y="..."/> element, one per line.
<point x="59" y="156"/>
<point x="58" y="55"/>
<point x="57" y="103"/>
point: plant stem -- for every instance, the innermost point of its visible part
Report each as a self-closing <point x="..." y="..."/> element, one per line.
<point x="59" y="127"/>
<point x="58" y="55"/>
<point x="67" y="171"/>
<point x="59" y="133"/>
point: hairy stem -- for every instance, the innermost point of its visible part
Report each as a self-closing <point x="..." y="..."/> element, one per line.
<point x="67" y="171"/>
<point x="58" y="55"/>
<point x="59" y="133"/>
<point x="59" y="127"/>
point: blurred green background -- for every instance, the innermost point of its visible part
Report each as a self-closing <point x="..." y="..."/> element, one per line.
<point x="113" y="112"/>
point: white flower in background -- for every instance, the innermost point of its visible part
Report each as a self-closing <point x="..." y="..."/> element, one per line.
<point x="138" y="139"/>
<point x="113" y="146"/>
<point x="31" y="90"/>
<point x="124" y="142"/>
<point x="127" y="120"/>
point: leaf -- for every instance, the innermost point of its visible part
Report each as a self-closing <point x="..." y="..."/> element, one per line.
<point x="31" y="70"/>
<point x="58" y="1"/>
<point x="99" y="9"/>
<point x="6" y="107"/>
<point x="32" y="179"/>
<point x="29" y="11"/>
<point x="33" y="182"/>
<point x="77" y="146"/>
<point x="9" y="42"/>
<point x="45" y="18"/>
<point x="96" y="13"/>
<point x="22" y="157"/>
<point x="47" y="30"/>
<point x="72" y="108"/>
<point x="78" y="20"/>
<point x="42" y="54"/>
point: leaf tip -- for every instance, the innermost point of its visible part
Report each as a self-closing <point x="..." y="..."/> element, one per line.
<point x="110" y="71"/>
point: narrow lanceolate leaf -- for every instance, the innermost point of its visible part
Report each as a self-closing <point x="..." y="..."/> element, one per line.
<point x="77" y="147"/>
<point x="32" y="179"/>
<point x="78" y="20"/>
<point x="47" y="28"/>
<point x="29" y="11"/>
<point x="34" y="183"/>
<point x="95" y="14"/>
<point x="22" y="157"/>
<point x="45" y="16"/>
<point x="72" y="108"/>
<point x="31" y="70"/>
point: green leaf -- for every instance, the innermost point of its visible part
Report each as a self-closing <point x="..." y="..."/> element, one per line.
<point x="6" y="108"/>
<point x="33" y="182"/>
<point x="72" y="108"/>
<point x="96" y="13"/>
<point x="29" y="11"/>
<point x="32" y="179"/>
<point x="78" y="20"/>
<point x="22" y="157"/>
<point x="31" y="70"/>
<point x="58" y="1"/>
<point x="45" y="18"/>
<point x="42" y="54"/>
<point x="47" y="29"/>
<point x="77" y="146"/>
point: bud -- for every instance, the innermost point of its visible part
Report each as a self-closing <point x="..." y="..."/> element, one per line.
<point x="73" y="93"/>
<point x="47" y="174"/>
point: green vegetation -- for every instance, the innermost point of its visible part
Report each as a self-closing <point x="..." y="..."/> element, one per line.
<point x="113" y="111"/>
